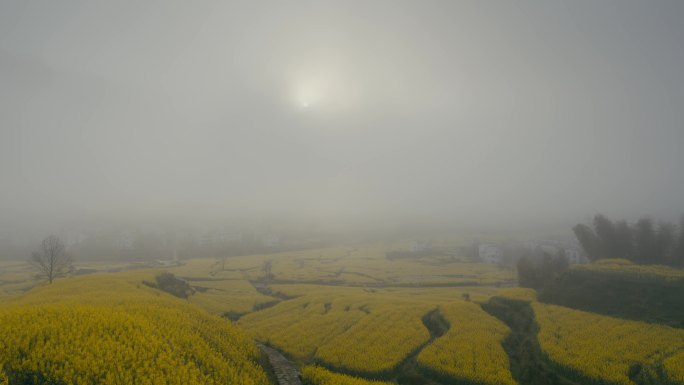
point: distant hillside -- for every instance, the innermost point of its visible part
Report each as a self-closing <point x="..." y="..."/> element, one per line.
<point x="112" y="329"/>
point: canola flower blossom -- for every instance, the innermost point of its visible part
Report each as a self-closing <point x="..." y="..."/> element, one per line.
<point x="351" y="332"/>
<point x="471" y="349"/>
<point x="605" y="348"/>
<point x="316" y="375"/>
<point x="110" y="329"/>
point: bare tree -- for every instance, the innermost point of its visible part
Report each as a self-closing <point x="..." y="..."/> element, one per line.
<point x="51" y="260"/>
<point x="267" y="269"/>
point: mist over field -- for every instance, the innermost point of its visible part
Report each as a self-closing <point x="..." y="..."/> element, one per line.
<point x="385" y="192"/>
<point x="339" y="112"/>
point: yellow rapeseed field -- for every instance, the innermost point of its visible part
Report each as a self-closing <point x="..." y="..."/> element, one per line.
<point x="519" y="293"/>
<point x="227" y="295"/>
<point x="604" y="348"/>
<point x="627" y="269"/>
<point x="362" y="330"/>
<point x="299" y="326"/>
<point x="379" y="341"/>
<point x="471" y="349"/>
<point x="361" y="265"/>
<point x="674" y="367"/>
<point x="316" y="375"/>
<point x="112" y="329"/>
<point x="353" y="330"/>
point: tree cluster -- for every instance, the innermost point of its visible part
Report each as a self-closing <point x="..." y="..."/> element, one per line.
<point x="538" y="273"/>
<point x="169" y="283"/>
<point x="643" y="242"/>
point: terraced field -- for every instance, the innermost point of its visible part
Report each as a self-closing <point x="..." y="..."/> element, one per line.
<point x="608" y="349"/>
<point x="361" y="266"/>
<point x="16" y="277"/>
<point x="113" y="329"/>
<point x="230" y="297"/>
<point x="316" y="375"/>
<point x="343" y="316"/>
<point x="353" y="331"/>
<point x="375" y="332"/>
<point x="555" y="344"/>
<point x="472" y="347"/>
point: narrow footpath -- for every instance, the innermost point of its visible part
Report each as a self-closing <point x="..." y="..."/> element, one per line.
<point x="285" y="371"/>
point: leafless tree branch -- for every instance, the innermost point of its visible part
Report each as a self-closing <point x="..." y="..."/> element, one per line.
<point x="51" y="259"/>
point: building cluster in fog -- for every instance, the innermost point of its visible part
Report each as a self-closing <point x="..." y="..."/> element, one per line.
<point x="510" y="251"/>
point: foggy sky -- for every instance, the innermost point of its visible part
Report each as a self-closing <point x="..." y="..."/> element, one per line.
<point x="467" y="111"/>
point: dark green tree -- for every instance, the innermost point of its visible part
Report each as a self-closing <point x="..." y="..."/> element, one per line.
<point x="665" y="244"/>
<point x="590" y="243"/>
<point x="527" y="273"/>
<point x="608" y="239"/>
<point x="643" y="243"/>
<point x="678" y="259"/>
<point x="624" y="245"/>
<point x="541" y="273"/>
<point x="645" y="247"/>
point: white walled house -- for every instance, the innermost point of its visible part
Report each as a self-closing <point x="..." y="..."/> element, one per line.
<point x="420" y="246"/>
<point x="574" y="255"/>
<point x="270" y="240"/>
<point x="490" y="254"/>
<point x="571" y="250"/>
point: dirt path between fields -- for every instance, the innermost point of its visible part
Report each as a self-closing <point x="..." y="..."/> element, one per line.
<point x="528" y="364"/>
<point x="285" y="371"/>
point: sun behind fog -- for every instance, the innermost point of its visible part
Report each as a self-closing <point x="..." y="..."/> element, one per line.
<point x="308" y="93"/>
<point x="322" y="89"/>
